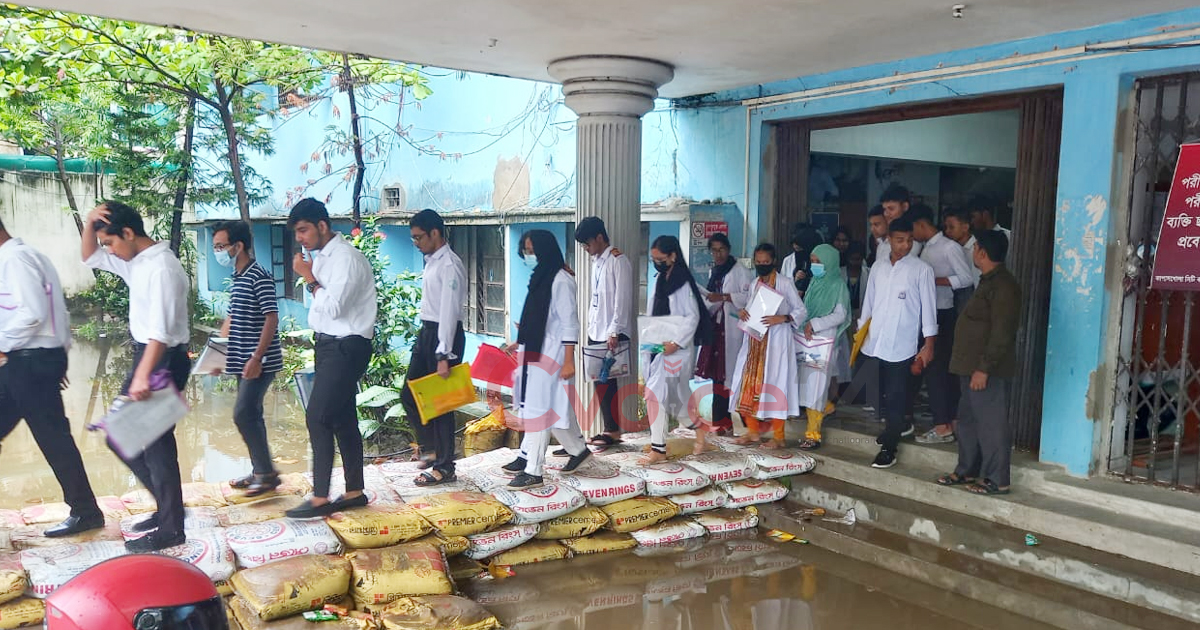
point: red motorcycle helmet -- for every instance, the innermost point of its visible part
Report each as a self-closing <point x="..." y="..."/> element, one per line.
<point x="140" y="592"/>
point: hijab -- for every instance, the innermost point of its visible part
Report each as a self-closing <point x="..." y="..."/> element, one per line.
<point x="826" y="292"/>
<point x="532" y="332"/>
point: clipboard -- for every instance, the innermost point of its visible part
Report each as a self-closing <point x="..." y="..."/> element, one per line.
<point x="593" y="360"/>
<point x="213" y="357"/>
<point x="133" y="425"/>
<point x="436" y="396"/>
<point x="764" y="303"/>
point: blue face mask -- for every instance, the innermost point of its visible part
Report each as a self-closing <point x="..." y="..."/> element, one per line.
<point x="818" y="270"/>
<point x="530" y="260"/>
<point x="223" y="258"/>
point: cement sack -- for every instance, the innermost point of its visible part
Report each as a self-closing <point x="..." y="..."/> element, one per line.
<point x="602" y="485"/>
<point x="779" y="463"/>
<point x="382" y="576"/>
<point x="542" y="613"/>
<point x="682" y="547"/>
<point x="603" y="542"/>
<point x="709" y="498"/>
<point x="581" y="522"/>
<point x="752" y="492"/>
<point x="668" y="478"/>
<point x="22" y="613"/>
<point x="10" y="519"/>
<point x="490" y="459"/>
<point x="747" y="549"/>
<point x="676" y="586"/>
<point x="291" y="484"/>
<point x="534" y="505"/>
<point x="674" y="530"/>
<point x="721" y="467"/>
<point x="463" y="568"/>
<point x="196" y="494"/>
<point x="33" y="537"/>
<point x="249" y="620"/>
<point x="450" y="545"/>
<point x="531" y="552"/>
<point x="293" y="585"/>
<point x="375" y="526"/>
<point x="261" y="543"/>
<point x="259" y="511"/>
<point x="488" y="479"/>
<point x="437" y="612"/>
<point x="194" y="519"/>
<point x="12" y="577"/>
<point x="491" y="543"/>
<point x="410" y="492"/>
<point x="51" y="567"/>
<point x="727" y="520"/>
<point x="208" y="551"/>
<point x="634" y="514"/>
<point x="55" y="513"/>
<point x="462" y="513"/>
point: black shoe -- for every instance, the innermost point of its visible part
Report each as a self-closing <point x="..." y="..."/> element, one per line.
<point x="885" y="459"/>
<point x="75" y="525"/>
<point x="155" y="541"/>
<point x="525" y="480"/>
<point x="343" y="503"/>
<point x="308" y="510"/>
<point x="147" y="524"/>
<point x="516" y="465"/>
<point x="562" y="452"/>
<point x="577" y="461"/>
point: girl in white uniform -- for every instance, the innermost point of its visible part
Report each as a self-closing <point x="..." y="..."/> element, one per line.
<point x="828" y="304"/>
<point x="726" y="293"/>
<point x="670" y="372"/>
<point x="545" y="350"/>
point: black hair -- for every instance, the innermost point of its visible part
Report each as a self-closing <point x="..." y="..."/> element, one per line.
<point x="959" y="213"/>
<point x="120" y="216"/>
<point x="901" y="224"/>
<point x="980" y="203"/>
<point x="668" y="245"/>
<point x="877" y="211"/>
<point x="427" y="220"/>
<point x="919" y="213"/>
<point x="895" y="192"/>
<point x="841" y="229"/>
<point x="720" y="237"/>
<point x="856" y="248"/>
<point x="310" y="210"/>
<point x="236" y="232"/>
<point x="993" y="243"/>
<point x="769" y="248"/>
<point x="589" y="228"/>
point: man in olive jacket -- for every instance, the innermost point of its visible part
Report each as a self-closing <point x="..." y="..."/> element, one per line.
<point x="984" y="359"/>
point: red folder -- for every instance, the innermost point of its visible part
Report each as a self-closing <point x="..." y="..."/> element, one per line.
<point x="493" y="365"/>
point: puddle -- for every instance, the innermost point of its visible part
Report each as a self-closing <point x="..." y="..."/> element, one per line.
<point x="210" y="448"/>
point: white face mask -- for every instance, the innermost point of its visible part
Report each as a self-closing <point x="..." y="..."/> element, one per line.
<point x="224" y="258"/>
<point x="530" y="260"/>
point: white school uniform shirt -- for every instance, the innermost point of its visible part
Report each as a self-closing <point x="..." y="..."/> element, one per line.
<point x="443" y="295"/>
<point x="33" y="313"/>
<point x="901" y="305"/>
<point x="948" y="261"/>
<point x="612" y="289"/>
<point x="546" y="391"/>
<point x="158" y="293"/>
<point x="969" y="250"/>
<point x="884" y="249"/>
<point x="345" y="303"/>
<point x="737" y="284"/>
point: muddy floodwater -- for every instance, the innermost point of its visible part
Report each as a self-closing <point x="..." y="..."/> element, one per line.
<point x="210" y="448"/>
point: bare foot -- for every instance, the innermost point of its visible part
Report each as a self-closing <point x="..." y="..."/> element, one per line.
<point x="771" y="444"/>
<point x="653" y="457"/>
<point x="748" y="439"/>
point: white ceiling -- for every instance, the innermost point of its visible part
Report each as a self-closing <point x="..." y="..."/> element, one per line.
<point x="714" y="44"/>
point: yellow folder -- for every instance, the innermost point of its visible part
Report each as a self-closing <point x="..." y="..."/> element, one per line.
<point x="860" y="338"/>
<point x="437" y="396"/>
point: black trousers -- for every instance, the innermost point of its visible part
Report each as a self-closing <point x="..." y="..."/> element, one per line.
<point x="607" y="391"/>
<point x="437" y="437"/>
<point x="894" y="390"/>
<point x="157" y="468"/>
<point x="984" y="433"/>
<point x="943" y="386"/>
<point x="30" y="390"/>
<point x="332" y="415"/>
<point x="720" y="406"/>
<point x="248" y="417"/>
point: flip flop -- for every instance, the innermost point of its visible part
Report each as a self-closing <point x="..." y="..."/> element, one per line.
<point x="953" y="479"/>
<point x="987" y="486"/>
<point x="603" y="439"/>
<point x="433" y="477"/>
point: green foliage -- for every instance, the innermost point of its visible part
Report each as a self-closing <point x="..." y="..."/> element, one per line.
<point x="109" y="295"/>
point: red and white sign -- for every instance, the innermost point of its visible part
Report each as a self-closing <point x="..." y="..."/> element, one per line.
<point x="1177" y="258"/>
<point x="701" y="230"/>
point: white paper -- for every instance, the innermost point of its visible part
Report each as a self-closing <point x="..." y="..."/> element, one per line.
<point x="213" y="357"/>
<point x="593" y="358"/>
<point x="132" y="425"/>
<point x="661" y="329"/>
<point x="813" y="353"/>
<point x="764" y="303"/>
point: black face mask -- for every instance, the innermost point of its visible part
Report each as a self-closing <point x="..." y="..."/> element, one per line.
<point x="764" y="270"/>
<point x="661" y="267"/>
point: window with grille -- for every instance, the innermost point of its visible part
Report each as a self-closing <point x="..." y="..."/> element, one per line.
<point x="392" y="198"/>
<point x="481" y="248"/>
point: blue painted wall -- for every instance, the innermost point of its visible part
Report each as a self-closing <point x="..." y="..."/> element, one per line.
<point x="1097" y="88"/>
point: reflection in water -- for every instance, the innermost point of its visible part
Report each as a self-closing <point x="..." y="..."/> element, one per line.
<point x="210" y="448"/>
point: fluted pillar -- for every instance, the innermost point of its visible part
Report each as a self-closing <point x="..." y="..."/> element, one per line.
<point x="610" y="94"/>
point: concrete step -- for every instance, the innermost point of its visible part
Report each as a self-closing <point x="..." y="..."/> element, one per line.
<point x="1101" y="574"/>
<point x="1164" y="544"/>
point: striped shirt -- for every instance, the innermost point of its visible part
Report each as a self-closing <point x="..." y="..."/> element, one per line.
<point x="252" y="298"/>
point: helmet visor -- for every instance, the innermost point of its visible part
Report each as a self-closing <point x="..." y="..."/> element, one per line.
<point x="206" y="615"/>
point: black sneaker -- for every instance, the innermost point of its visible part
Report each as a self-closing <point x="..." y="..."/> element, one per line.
<point x="576" y="461"/>
<point x="155" y="541"/>
<point x="525" y="480"/>
<point x="146" y="525"/>
<point x="885" y="459"/>
<point x="516" y="465"/>
<point x="342" y="503"/>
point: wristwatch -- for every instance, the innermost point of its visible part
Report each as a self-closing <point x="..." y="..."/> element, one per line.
<point x="312" y="287"/>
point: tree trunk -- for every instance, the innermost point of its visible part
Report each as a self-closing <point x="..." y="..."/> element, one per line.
<point x="60" y="160"/>
<point x="232" y="143"/>
<point x="360" y="166"/>
<point x="185" y="176"/>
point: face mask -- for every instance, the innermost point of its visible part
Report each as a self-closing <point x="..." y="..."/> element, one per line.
<point x="764" y="270"/>
<point x="530" y="260"/>
<point x="224" y="258"/>
<point x="662" y="267"/>
<point x="818" y="270"/>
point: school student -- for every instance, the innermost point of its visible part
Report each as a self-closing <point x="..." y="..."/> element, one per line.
<point x="726" y="293"/>
<point x="827" y="304"/>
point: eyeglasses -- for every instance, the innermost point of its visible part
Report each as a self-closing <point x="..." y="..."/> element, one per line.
<point x="220" y="247"/>
<point x="419" y="237"/>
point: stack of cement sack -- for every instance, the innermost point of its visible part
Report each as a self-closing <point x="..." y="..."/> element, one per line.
<point x="396" y="561"/>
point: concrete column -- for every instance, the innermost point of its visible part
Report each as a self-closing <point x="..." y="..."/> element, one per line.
<point x="610" y="94"/>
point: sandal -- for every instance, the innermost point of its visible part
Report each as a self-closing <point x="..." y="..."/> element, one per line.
<point x="262" y="485"/>
<point x="653" y="457"/>
<point x="433" y="477"/>
<point x="241" y="483"/>
<point x="603" y="439"/>
<point x="986" y="486"/>
<point x="954" y="479"/>
<point x="749" y="439"/>
<point x="809" y="444"/>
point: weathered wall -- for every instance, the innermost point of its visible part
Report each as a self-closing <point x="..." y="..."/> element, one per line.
<point x="34" y="208"/>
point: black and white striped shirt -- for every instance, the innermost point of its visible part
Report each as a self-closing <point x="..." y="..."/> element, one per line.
<point x="250" y="300"/>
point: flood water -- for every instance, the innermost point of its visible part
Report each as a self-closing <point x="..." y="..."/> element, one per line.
<point x="210" y="448"/>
